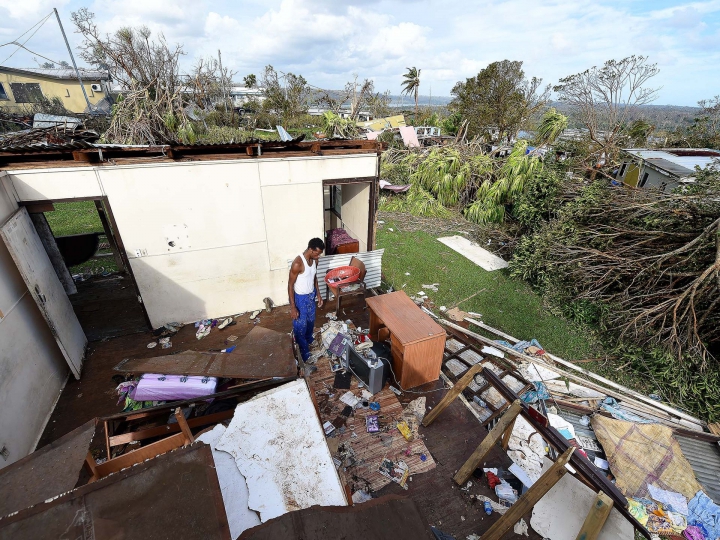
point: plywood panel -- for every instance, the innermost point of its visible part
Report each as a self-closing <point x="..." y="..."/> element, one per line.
<point x="49" y="184"/>
<point x="308" y="170"/>
<point x="196" y="206"/>
<point x="186" y="287"/>
<point x="293" y="215"/>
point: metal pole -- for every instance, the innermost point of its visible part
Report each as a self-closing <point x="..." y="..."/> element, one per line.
<point x="222" y="78"/>
<point x="77" y="72"/>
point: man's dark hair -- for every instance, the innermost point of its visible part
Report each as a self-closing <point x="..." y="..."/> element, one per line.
<point x="316" y="243"/>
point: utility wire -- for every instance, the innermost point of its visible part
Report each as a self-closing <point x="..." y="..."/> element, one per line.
<point x="19" y="46"/>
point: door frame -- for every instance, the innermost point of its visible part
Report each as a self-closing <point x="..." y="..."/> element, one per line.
<point x="372" y="202"/>
<point x="116" y="237"/>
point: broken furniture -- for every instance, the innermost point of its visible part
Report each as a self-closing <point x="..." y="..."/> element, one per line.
<point x="183" y="438"/>
<point x="180" y="487"/>
<point x="261" y="354"/>
<point x="417" y="342"/>
<point x="338" y="241"/>
<point x="351" y="289"/>
<point x="128" y="428"/>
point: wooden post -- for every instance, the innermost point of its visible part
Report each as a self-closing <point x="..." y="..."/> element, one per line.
<point x="180" y="417"/>
<point x="452" y="394"/>
<point x="507" y="434"/>
<point x="487" y="443"/>
<point x="109" y="235"/>
<point x="596" y="517"/>
<point x="530" y="498"/>
<point x="90" y="462"/>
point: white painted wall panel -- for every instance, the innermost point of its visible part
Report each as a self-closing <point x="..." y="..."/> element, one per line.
<point x="32" y="374"/>
<point x="53" y="184"/>
<point x="186" y="287"/>
<point x="316" y="169"/>
<point x="293" y="215"/>
<point x="198" y="206"/>
<point x="355" y="211"/>
<point x="32" y="369"/>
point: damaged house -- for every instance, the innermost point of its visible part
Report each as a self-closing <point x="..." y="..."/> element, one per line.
<point x="403" y="425"/>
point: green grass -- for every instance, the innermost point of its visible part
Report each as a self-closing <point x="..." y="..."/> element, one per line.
<point x="78" y="218"/>
<point x="505" y="303"/>
<point x="74" y="218"/>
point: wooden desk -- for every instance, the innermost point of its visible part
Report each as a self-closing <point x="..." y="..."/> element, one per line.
<point x="417" y="341"/>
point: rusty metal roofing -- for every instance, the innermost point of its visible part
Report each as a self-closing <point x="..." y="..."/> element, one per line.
<point x="704" y="458"/>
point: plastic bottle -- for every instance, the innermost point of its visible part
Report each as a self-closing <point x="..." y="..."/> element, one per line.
<point x="488" y="508"/>
<point x="479" y="401"/>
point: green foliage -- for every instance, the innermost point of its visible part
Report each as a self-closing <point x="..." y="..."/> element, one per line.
<point x="334" y="125"/>
<point x="538" y="203"/>
<point x="499" y="97"/>
<point x="411" y="84"/>
<point x="417" y="201"/>
<point x="446" y="173"/>
<point x="491" y="198"/>
<point x="551" y="126"/>
<point x="451" y="123"/>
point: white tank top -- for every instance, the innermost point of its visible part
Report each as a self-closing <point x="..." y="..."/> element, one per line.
<point x="305" y="282"/>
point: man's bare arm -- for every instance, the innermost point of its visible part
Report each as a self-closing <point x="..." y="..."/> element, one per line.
<point x="295" y="270"/>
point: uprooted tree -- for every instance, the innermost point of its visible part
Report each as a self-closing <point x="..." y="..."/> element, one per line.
<point x="648" y="261"/>
<point x="499" y="98"/>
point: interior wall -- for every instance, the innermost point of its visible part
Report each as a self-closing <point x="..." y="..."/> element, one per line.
<point x="356" y="211"/>
<point x="32" y="368"/>
<point x="207" y="238"/>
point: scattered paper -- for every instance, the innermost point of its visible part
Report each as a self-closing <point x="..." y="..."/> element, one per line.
<point x="678" y="502"/>
<point x="601" y="463"/>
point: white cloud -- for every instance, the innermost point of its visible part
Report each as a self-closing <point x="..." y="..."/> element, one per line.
<point x="328" y="41"/>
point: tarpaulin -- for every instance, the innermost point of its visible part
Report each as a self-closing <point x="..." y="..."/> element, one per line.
<point x="642" y="454"/>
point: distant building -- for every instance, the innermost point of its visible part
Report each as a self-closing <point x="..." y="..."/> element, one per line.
<point x="240" y="95"/>
<point x="22" y="87"/>
<point x="664" y="169"/>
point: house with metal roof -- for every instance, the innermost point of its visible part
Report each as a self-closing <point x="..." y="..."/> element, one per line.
<point x="663" y="169"/>
<point x="20" y="88"/>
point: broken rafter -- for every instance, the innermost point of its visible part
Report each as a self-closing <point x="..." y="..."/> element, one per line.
<point x="681" y="418"/>
<point x="646" y="400"/>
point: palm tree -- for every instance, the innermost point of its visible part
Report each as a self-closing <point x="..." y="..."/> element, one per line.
<point x="411" y="84"/>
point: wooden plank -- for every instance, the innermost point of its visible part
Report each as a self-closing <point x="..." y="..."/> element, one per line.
<point x="596" y="517"/>
<point x="452" y="394"/>
<point x="531" y="496"/>
<point x="92" y="466"/>
<point x="168" y="429"/>
<point x="182" y="422"/>
<point x="714" y="428"/>
<point x="141" y="454"/>
<point x="506" y="436"/>
<point x="486" y="445"/>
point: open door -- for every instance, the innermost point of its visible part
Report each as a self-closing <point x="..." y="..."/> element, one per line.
<point x="29" y="255"/>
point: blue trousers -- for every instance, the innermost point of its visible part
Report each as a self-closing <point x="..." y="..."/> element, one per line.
<point x="304" y="325"/>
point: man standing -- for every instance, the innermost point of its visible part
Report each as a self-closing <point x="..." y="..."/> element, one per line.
<point x="302" y="291"/>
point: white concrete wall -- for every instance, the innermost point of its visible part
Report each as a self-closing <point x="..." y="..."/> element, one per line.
<point x="234" y="224"/>
<point x="355" y="211"/>
<point x="32" y="369"/>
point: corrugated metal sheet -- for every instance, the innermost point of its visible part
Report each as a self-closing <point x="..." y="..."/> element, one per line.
<point x="704" y="458"/>
<point x="47" y="147"/>
<point x="372" y="260"/>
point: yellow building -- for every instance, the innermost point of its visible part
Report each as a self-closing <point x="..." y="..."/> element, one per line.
<point x="20" y="88"/>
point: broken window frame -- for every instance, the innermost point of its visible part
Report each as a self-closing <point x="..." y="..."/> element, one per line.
<point x="4" y="96"/>
<point x="27" y="92"/>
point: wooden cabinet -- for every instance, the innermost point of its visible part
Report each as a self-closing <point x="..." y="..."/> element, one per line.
<point x="417" y="341"/>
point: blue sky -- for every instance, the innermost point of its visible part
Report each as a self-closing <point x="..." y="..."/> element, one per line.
<point x="328" y="41"/>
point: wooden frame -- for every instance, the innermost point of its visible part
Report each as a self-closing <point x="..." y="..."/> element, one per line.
<point x="183" y="438"/>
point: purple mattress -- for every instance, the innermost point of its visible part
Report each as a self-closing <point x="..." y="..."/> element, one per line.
<point x="155" y="387"/>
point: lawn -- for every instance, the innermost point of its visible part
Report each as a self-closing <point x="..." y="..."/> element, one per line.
<point x="77" y="218"/>
<point x="505" y="303"/>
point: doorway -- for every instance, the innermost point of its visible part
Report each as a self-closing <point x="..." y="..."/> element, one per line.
<point x="349" y="215"/>
<point x="84" y="248"/>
